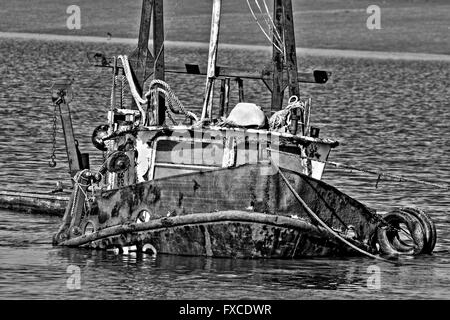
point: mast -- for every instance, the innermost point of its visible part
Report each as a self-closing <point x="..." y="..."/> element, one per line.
<point x="277" y="58"/>
<point x="143" y="63"/>
<point x="141" y="57"/>
<point x="212" y="59"/>
<point x="158" y="52"/>
<point x="284" y="23"/>
<point x="291" y="64"/>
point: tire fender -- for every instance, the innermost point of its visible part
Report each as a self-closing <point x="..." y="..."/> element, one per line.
<point x="388" y="239"/>
<point x="429" y="228"/>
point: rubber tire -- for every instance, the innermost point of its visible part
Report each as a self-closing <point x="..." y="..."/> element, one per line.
<point x="386" y="237"/>
<point x="428" y="225"/>
<point x="400" y="245"/>
<point x="100" y="132"/>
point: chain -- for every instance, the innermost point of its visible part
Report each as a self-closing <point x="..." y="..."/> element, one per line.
<point x="113" y="93"/>
<point x="122" y="91"/>
<point x="52" y="162"/>
<point x="121" y="181"/>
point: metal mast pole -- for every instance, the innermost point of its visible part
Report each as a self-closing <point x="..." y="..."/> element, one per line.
<point x="212" y="59"/>
<point x="291" y="64"/>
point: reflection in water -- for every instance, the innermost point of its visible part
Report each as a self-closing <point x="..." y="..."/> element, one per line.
<point x="381" y="117"/>
<point x="168" y="276"/>
<point x="34" y="269"/>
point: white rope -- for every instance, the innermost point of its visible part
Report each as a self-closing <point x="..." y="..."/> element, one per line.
<point x="137" y="98"/>
<point x="274" y="28"/>
<point x="174" y="104"/>
<point x="270" y="24"/>
<point x="280" y="118"/>
<point x="273" y="24"/>
<point x="322" y="223"/>
<point x="78" y="186"/>
<point x="262" y="29"/>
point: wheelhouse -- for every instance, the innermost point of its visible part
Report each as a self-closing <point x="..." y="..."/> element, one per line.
<point x="162" y="153"/>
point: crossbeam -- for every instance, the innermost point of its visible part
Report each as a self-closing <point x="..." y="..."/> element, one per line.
<point x="313" y="76"/>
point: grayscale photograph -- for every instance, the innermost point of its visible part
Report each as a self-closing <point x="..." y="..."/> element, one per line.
<point x="188" y="150"/>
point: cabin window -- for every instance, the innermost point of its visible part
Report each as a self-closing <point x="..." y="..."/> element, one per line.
<point x="189" y="152"/>
<point x="175" y="157"/>
<point x="182" y="155"/>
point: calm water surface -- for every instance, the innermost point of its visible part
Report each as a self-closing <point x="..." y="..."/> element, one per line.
<point x="391" y="115"/>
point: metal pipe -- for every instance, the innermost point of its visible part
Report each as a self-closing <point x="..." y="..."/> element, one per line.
<point x="240" y="83"/>
<point x="212" y="59"/>
<point x="222" y="98"/>
<point x="227" y="95"/>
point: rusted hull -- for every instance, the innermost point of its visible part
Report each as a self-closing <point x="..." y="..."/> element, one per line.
<point x="245" y="211"/>
<point x="229" y="234"/>
<point x="256" y="188"/>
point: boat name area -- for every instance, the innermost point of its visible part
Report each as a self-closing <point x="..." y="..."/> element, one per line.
<point x="227" y="309"/>
<point x="204" y="147"/>
<point x="224" y="148"/>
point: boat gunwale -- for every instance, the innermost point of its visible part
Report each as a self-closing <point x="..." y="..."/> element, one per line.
<point x="192" y="128"/>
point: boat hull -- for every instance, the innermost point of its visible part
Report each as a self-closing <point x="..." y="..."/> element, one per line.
<point x="252" y="188"/>
<point x="246" y="211"/>
<point x="227" y="234"/>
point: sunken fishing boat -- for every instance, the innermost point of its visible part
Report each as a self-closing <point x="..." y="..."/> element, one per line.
<point x="234" y="181"/>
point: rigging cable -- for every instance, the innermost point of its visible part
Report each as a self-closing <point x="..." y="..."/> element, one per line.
<point x="262" y="29"/>
<point x="323" y="224"/>
<point x="379" y="173"/>
<point x="271" y="25"/>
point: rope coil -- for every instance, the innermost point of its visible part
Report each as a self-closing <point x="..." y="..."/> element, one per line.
<point x="282" y="118"/>
<point x="174" y="103"/>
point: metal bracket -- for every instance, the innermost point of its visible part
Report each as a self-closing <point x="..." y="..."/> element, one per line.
<point x="62" y="89"/>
